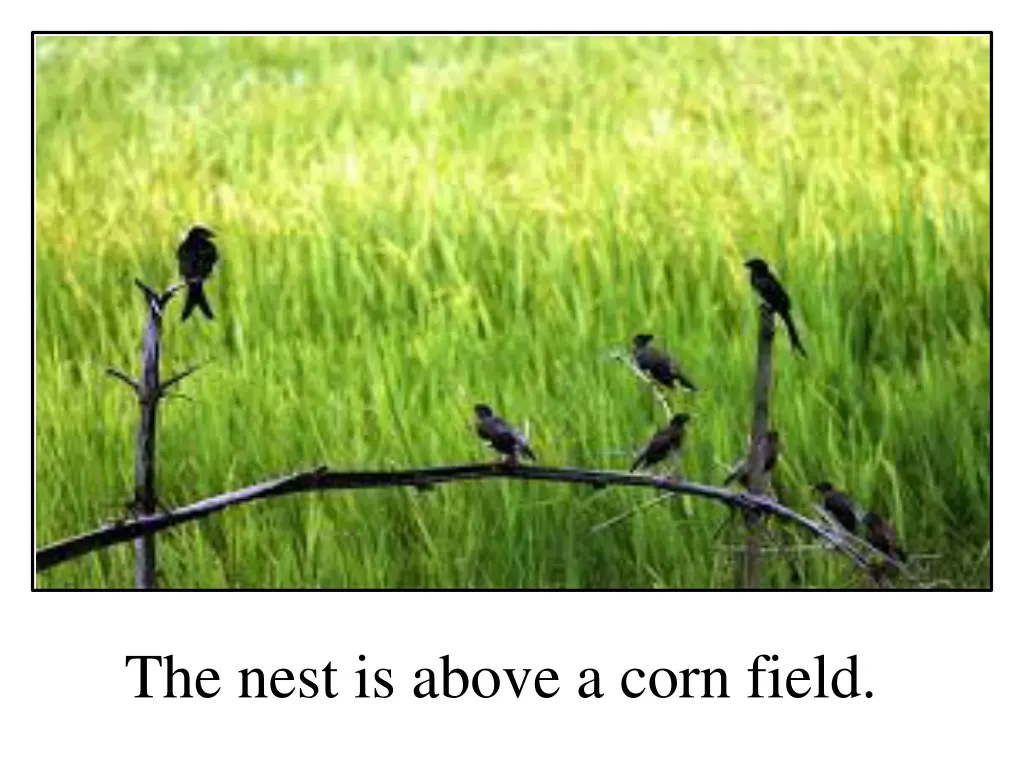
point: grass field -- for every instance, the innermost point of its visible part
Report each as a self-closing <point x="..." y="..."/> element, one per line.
<point x="411" y="226"/>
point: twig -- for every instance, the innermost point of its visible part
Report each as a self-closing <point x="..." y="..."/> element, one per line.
<point x="117" y="374"/>
<point x="625" y="358"/>
<point x="623" y="515"/>
<point x="776" y="550"/>
<point x="166" y="385"/>
<point x="158" y="301"/>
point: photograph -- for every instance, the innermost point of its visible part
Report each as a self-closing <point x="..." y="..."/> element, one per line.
<point x="478" y="312"/>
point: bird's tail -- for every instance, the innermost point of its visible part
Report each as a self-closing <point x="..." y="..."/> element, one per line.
<point x="196" y="298"/>
<point x="528" y="452"/>
<point x="638" y="462"/>
<point x="794" y="338"/>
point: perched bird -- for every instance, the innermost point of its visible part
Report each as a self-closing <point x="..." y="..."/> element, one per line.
<point x="741" y="471"/>
<point x="666" y="441"/>
<point x="882" y="537"/>
<point x="658" y="365"/>
<point x="196" y="256"/>
<point x="502" y="436"/>
<point x="775" y="296"/>
<point x="839" y="505"/>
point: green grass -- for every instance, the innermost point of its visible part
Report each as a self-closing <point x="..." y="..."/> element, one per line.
<point x="410" y="226"/>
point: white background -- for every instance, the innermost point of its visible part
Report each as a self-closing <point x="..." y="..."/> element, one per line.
<point x="944" y="668"/>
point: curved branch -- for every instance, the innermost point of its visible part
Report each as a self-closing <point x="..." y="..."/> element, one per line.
<point x="625" y="358"/>
<point x="321" y="479"/>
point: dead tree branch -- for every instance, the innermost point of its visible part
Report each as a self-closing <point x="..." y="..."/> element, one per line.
<point x="628" y="360"/>
<point x="748" y="570"/>
<point x="321" y="479"/>
<point x="149" y="390"/>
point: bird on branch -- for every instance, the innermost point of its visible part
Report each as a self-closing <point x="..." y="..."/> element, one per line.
<point x="501" y="435"/>
<point x="882" y="537"/>
<point x="666" y="441"/>
<point x="658" y="365"/>
<point x="774" y="296"/>
<point x="196" y="257"/>
<point x="842" y="508"/>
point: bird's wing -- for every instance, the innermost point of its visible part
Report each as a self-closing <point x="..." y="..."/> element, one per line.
<point x="780" y="299"/>
<point x="520" y="437"/>
<point x="662" y="442"/>
<point x="209" y="256"/>
<point x="502" y="427"/>
<point x="642" y="358"/>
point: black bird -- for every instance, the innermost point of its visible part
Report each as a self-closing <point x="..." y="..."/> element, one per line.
<point x="196" y="256"/>
<point x="658" y="365"/>
<point x="882" y="537"/>
<point x="775" y="296"/>
<point x="839" y="505"/>
<point x="502" y="436"/>
<point x="741" y="471"/>
<point x="666" y="441"/>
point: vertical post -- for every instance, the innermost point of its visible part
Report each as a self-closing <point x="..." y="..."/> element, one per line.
<point x="145" y="440"/>
<point x="748" y="571"/>
<point x="149" y="390"/>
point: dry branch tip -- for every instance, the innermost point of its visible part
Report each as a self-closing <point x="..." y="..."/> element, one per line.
<point x="124" y="377"/>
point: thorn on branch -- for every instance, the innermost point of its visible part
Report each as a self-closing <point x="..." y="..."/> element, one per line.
<point x="166" y="385"/>
<point x="122" y="376"/>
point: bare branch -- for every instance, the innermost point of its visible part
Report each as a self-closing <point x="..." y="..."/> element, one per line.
<point x="604" y="525"/>
<point x="157" y="301"/>
<point x="321" y="479"/>
<point x="166" y="385"/>
<point x="152" y="297"/>
<point x="169" y="292"/>
<point x="625" y="358"/>
<point x="121" y="375"/>
<point x="116" y="532"/>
